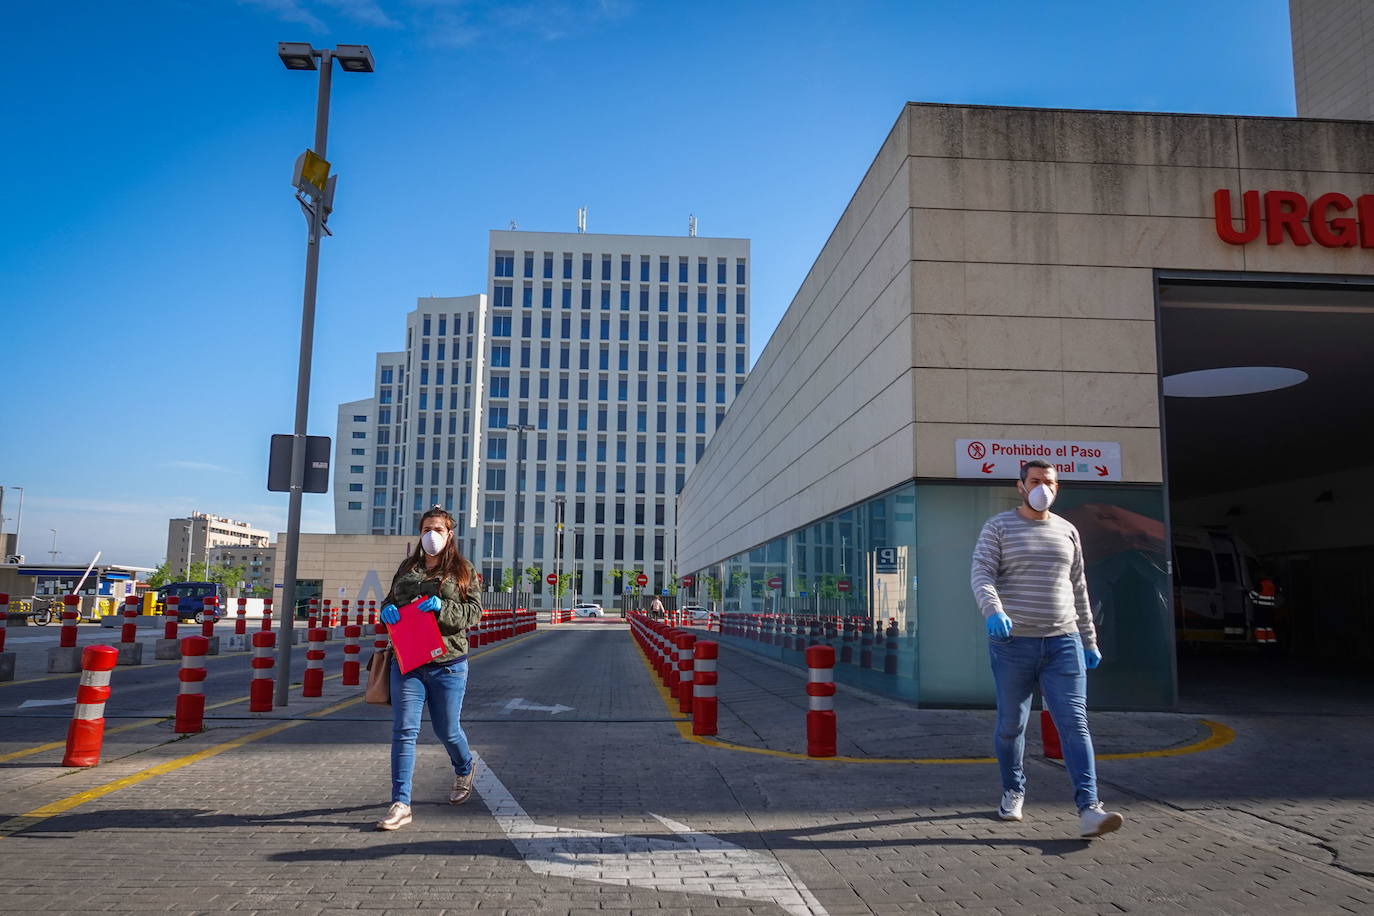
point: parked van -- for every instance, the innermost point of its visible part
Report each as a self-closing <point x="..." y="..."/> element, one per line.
<point x="1221" y="591"/>
<point x="191" y="599"/>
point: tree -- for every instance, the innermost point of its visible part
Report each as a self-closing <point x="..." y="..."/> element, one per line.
<point x="534" y="575"/>
<point x="161" y="576"/>
<point x="507" y="580"/>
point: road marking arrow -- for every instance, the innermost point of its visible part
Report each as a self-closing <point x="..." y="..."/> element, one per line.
<point x="519" y="703"/>
<point x="693" y="863"/>
<point x="30" y="704"/>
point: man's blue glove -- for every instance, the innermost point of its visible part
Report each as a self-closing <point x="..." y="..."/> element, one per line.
<point x="1092" y="658"/>
<point x="999" y="626"/>
<point x="390" y="615"/>
<point x="430" y="605"/>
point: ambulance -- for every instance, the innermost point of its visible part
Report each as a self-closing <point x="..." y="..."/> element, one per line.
<point x="1221" y="591"/>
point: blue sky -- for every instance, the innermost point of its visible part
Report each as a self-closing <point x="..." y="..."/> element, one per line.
<point x="151" y="255"/>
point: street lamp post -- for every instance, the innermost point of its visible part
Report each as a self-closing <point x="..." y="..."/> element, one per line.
<point x="558" y="503"/>
<point x="519" y="429"/>
<point x="301" y="56"/>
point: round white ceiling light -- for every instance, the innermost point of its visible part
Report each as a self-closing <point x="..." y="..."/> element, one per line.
<point x="1230" y="381"/>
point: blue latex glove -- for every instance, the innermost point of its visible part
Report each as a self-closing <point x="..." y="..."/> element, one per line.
<point x="1092" y="658"/>
<point x="430" y="605"/>
<point x="390" y="615"/>
<point x="999" y="626"/>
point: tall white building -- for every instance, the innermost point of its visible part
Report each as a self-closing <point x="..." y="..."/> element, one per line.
<point x="1332" y="41"/>
<point x="408" y="447"/>
<point x="595" y="370"/>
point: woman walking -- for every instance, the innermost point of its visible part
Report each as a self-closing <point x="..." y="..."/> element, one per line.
<point x="437" y="572"/>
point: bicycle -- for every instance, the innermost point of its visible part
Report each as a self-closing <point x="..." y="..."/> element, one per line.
<point x="53" y="611"/>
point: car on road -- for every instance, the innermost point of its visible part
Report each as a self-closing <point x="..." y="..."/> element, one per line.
<point x="588" y="609"/>
<point x="191" y="599"/>
<point x="695" y="612"/>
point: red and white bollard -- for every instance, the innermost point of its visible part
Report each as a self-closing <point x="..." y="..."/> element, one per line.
<point x="351" y="664"/>
<point x="372" y="612"/>
<point x="379" y="638"/>
<point x="685" y="642"/>
<point x="129" y="631"/>
<point x="267" y="615"/>
<point x="704" y="687"/>
<point x="87" y="729"/>
<point x="1049" y="737"/>
<point x="190" y="711"/>
<point x="67" y="639"/>
<point x="312" y="682"/>
<point x="209" y="613"/>
<point x="343" y="614"/>
<point x="171" y="613"/>
<point x="260" y="688"/>
<point x="820" y="687"/>
<point x="241" y="618"/>
<point x="312" y="619"/>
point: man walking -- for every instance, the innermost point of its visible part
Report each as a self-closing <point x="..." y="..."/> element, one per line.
<point x="1029" y="584"/>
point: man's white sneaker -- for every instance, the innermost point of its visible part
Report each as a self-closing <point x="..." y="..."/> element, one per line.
<point x="397" y="816"/>
<point x="1010" y="809"/>
<point x="1095" y="821"/>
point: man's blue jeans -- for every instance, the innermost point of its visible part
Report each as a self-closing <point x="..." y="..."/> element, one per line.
<point x="1056" y="664"/>
<point x="442" y="689"/>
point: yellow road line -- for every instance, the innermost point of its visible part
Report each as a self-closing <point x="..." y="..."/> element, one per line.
<point x="53" y="745"/>
<point x="62" y="805"/>
<point x="1218" y="735"/>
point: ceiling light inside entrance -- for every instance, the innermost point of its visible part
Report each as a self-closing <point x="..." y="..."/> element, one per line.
<point x="1230" y="381"/>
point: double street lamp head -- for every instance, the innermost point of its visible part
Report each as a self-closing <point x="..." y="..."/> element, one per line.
<point x="299" y="55"/>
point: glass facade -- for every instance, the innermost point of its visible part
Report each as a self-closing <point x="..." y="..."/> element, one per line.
<point x="886" y="582"/>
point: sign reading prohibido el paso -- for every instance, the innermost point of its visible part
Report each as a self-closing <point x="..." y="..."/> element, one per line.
<point x="1001" y="459"/>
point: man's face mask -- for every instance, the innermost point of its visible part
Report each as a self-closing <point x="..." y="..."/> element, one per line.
<point x="1040" y="497"/>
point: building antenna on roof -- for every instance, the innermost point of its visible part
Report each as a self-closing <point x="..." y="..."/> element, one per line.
<point x="581" y="219"/>
<point x="513" y="226"/>
<point x="691" y="225"/>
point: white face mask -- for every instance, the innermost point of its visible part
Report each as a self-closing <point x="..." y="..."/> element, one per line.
<point x="433" y="542"/>
<point x="1040" y="497"/>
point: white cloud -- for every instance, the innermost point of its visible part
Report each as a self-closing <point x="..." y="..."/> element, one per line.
<point x="197" y="466"/>
<point x="288" y="11"/>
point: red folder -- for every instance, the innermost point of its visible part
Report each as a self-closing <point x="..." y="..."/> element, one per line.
<point x="415" y="637"/>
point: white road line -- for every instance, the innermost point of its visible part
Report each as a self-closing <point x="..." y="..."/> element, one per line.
<point x="694" y="863"/>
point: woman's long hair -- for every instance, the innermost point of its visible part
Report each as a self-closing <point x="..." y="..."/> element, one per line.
<point x="452" y="564"/>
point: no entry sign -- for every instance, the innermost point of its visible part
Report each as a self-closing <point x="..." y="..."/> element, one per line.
<point x="843" y="585"/>
<point x="775" y="582"/>
<point x="1001" y="459"/>
<point x="551" y="578"/>
<point x="641" y="580"/>
<point x="688" y="581"/>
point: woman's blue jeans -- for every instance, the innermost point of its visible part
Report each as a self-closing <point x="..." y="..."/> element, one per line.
<point x="1055" y="663"/>
<point x="442" y="689"/>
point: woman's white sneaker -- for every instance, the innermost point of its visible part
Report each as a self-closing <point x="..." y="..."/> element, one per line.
<point x="1010" y="809"/>
<point x="1095" y="821"/>
<point x="397" y="816"/>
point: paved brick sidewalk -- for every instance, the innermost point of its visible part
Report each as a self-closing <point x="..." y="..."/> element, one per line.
<point x="283" y="822"/>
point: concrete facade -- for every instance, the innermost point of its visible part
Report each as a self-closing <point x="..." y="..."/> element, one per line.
<point x="996" y="265"/>
<point x="361" y="565"/>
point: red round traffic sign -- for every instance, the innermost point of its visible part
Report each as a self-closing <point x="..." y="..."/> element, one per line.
<point x="688" y="581"/>
<point x="843" y="585"/>
<point x="775" y="582"/>
<point x="551" y="578"/>
<point x="641" y="580"/>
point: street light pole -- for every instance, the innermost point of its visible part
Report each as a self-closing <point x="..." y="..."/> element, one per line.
<point x="558" y="502"/>
<point x="519" y="429"/>
<point x="302" y="57"/>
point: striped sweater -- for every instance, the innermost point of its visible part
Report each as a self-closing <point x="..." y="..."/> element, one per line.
<point x="1032" y="571"/>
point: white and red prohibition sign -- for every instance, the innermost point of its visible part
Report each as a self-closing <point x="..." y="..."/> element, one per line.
<point x="551" y="578"/>
<point x="641" y="580"/>
<point x="1001" y="459"/>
